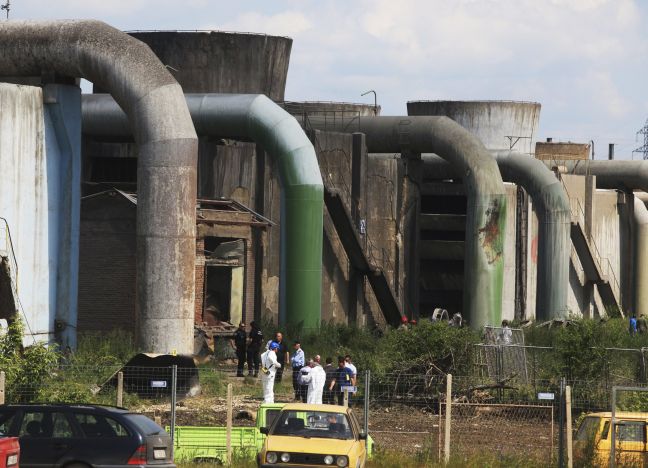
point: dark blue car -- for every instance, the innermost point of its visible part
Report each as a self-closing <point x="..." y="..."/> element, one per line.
<point x="78" y="436"/>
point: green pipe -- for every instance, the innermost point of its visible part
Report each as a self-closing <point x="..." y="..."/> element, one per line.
<point x="254" y="117"/>
<point x="486" y="209"/>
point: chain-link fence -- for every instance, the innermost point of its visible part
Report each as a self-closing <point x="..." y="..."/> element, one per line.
<point x="615" y="366"/>
<point x="404" y="412"/>
<point x="618" y="437"/>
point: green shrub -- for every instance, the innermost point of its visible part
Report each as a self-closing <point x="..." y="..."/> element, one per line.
<point x="579" y="350"/>
<point x="27" y="369"/>
<point x="429" y="345"/>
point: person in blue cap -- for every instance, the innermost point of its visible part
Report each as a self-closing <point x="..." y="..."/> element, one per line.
<point x="269" y="368"/>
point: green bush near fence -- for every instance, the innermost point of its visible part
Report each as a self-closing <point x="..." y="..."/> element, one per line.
<point x="579" y="350"/>
<point x="44" y="373"/>
<point x="27" y="369"/>
<point x="425" y="346"/>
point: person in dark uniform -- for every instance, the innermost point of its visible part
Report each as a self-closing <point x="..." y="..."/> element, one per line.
<point x="283" y="355"/>
<point x="239" y="344"/>
<point x="328" y="398"/>
<point x="255" y="340"/>
<point x="342" y="377"/>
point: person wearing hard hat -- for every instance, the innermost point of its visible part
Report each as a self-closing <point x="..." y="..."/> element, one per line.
<point x="269" y="368"/>
<point x="404" y="323"/>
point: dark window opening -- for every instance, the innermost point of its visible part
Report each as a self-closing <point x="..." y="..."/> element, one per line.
<point x="218" y="290"/>
<point x="113" y="169"/>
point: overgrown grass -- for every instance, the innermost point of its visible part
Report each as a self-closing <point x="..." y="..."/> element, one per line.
<point x="395" y="459"/>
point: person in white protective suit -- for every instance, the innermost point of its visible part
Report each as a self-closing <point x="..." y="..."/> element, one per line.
<point x="317" y="378"/>
<point x="269" y="366"/>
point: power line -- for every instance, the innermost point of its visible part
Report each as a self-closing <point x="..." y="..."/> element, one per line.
<point x="644" y="148"/>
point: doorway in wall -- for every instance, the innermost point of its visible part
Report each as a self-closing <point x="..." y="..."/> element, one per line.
<point x="224" y="275"/>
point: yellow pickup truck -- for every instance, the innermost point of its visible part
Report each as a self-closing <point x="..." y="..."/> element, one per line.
<point x="314" y="435"/>
<point x="594" y="439"/>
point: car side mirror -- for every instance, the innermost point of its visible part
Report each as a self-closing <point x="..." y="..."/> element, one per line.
<point x="263" y="430"/>
<point x="363" y="436"/>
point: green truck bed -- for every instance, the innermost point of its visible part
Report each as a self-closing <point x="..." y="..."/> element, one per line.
<point x="209" y="443"/>
<point x="192" y="443"/>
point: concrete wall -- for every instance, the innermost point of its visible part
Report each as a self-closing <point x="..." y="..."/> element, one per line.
<point x="532" y="261"/>
<point x="24" y="203"/>
<point x="40" y="160"/>
<point x="607" y="219"/>
<point x="339" y="110"/>
<point x="562" y="151"/>
<point x="334" y="157"/>
<point x="612" y="232"/>
<point x="508" y="294"/>
<point x="383" y="180"/>
<point x="214" y="61"/>
<point x="491" y="121"/>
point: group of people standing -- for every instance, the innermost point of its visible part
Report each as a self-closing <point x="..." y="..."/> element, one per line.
<point x="247" y="346"/>
<point x="638" y="325"/>
<point x="312" y="382"/>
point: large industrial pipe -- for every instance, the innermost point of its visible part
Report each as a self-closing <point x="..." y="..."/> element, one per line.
<point x="486" y="210"/>
<point x="552" y="206"/>
<point x="168" y="150"/>
<point x="627" y="176"/>
<point x="641" y="257"/>
<point x="255" y="117"/>
<point x="623" y="175"/>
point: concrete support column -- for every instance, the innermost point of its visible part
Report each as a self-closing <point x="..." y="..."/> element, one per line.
<point x="641" y="258"/>
<point x="409" y="228"/>
<point x="588" y="208"/>
<point x="521" y="242"/>
<point x="62" y="106"/>
<point x="359" y="216"/>
<point x="590" y="189"/>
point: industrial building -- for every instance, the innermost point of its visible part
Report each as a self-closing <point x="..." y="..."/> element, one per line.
<point x="203" y="201"/>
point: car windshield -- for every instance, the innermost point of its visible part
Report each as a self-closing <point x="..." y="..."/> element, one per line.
<point x="320" y="424"/>
<point x="588" y="428"/>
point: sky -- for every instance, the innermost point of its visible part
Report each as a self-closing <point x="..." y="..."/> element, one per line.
<point x="583" y="60"/>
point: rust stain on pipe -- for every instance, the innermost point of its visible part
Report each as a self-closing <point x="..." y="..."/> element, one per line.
<point x="490" y="235"/>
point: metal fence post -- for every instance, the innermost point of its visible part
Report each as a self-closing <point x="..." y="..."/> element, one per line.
<point x="570" y="455"/>
<point x="613" y="429"/>
<point x="446" y="442"/>
<point x="120" y="388"/>
<point x="366" y="400"/>
<point x="2" y="387"/>
<point x="174" y="388"/>
<point x="561" y="425"/>
<point x="228" y="436"/>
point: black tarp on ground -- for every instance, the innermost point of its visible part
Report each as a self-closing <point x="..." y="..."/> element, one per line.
<point x="150" y="375"/>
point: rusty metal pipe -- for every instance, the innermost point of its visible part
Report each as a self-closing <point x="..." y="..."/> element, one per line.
<point x="168" y="148"/>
